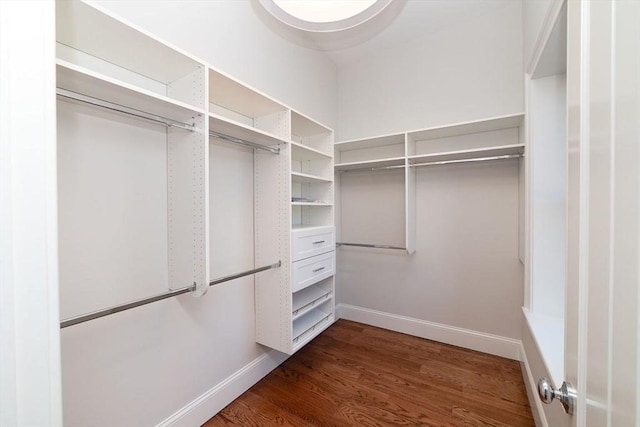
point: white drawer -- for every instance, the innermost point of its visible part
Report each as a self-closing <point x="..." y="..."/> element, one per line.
<point x="311" y="242"/>
<point x="312" y="270"/>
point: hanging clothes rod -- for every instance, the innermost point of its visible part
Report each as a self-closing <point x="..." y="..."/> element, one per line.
<point x="117" y="309"/>
<point x="437" y="163"/>
<point x="243" y="142"/>
<point x="368" y="245"/>
<point x="477" y="159"/>
<point x="122" y="109"/>
<point x="245" y="273"/>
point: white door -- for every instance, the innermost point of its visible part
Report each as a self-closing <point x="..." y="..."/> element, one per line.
<point x="603" y="252"/>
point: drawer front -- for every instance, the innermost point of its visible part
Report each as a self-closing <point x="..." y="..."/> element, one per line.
<point x="308" y="243"/>
<point x="312" y="270"/>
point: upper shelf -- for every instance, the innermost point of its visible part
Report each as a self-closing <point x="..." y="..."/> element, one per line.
<point x="242" y="131"/>
<point x="90" y="37"/>
<point x="308" y="178"/>
<point x="465" y="128"/>
<point x="364" y="143"/>
<point x="302" y="153"/>
<point x="80" y="80"/>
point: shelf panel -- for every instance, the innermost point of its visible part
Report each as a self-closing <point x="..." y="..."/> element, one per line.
<point x="306" y="227"/>
<point x="309" y="298"/>
<point x="302" y="152"/>
<point x="235" y="96"/>
<point x="306" y="178"/>
<point x="394" y="161"/>
<point x="92" y="30"/>
<point x="468" y="154"/>
<point x="379" y="141"/>
<point x="308" y="322"/>
<point x="303" y="126"/>
<point x="311" y="204"/>
<point x="242" y="131"/>
<point x="465" y="128"/>
<point x="81" y="80"/>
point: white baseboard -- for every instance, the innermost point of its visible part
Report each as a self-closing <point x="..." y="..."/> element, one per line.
<point x="214" y="400"/>
<point x="480" y="341"/>
<point x="532" y="391"/>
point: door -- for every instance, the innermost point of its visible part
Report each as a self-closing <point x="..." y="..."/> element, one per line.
<point x="603" y="196"/>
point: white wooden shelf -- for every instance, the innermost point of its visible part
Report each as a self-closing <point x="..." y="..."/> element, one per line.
<point x="394" y="161"/>
<point x="304" y="325"/>
<point x="319" y="204"/>
<point x="465" y="128"/>
<point x="240" y="130"/>
<point x="300" y="227"/>
<point x="491" y="137"/>
<point x="303" y="153"/>
<point x="86" y="82"/>
<point x="234" y="96"/>
<point x="468" y="154"/>
<point x="365" y="143"/>
<point x="302" y="126"/>
<point x="309" y="298"/>
<point x="98" y="37"/>
<point x="306" y="178"/>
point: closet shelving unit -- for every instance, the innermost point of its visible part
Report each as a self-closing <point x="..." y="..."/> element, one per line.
<point x="159" y="112"/>
<point x="312" y="228"/>
<point x="489" y="139"/>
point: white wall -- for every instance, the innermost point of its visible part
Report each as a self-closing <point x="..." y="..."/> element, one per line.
<point x="469" y="70"/>
<point x="230" y="36"/>
<point x="534" y="13"/>
<point x="465" y="272"/>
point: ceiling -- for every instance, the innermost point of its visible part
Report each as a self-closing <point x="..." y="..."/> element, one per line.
<point x="403" y="21"/>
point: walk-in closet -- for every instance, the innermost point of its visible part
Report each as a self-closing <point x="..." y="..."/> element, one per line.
<point x="320" y="213"/>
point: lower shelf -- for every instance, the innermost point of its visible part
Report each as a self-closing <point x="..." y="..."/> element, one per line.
<point x="305" y="326"/>
<point x="307" y="299"/>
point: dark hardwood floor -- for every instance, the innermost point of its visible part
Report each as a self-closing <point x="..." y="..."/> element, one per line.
<point x="359" y="375"/>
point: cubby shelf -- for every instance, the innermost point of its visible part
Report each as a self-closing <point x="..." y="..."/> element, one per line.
<point x="302" y="152"/>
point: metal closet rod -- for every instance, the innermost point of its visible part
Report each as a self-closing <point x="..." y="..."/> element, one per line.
<point x="441" y="162"/>
<point x="122" y="109"/>
<point x="122" y="307"/>
<point x="243" y="142"/>
<point x="370" y="245"/>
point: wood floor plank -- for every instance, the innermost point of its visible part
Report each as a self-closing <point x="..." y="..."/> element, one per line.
<point x="359" y="375"/>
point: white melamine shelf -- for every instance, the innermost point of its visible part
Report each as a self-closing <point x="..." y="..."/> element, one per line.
<point x="86" y="82"/>
<point x="89" y="29"/>
<point x="309" y="298"/>
<point x="240" y="130"/>
<point x="320" y="204"/>
<point x="393" y="161"/>
<point x="312" y="319"/>
<point x="306" y="227"/>
<point x="378" y="141"/>
<point x="306" y="178"/>
<point x="468" y="154"/>
<point x="302" y="152"/>
<point x="237" y="97"/>
<point x="465" y="128"/>
<point x="303" y="126"/>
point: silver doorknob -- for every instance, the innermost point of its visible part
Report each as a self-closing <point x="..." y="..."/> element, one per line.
<point x="566" y="395"/>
